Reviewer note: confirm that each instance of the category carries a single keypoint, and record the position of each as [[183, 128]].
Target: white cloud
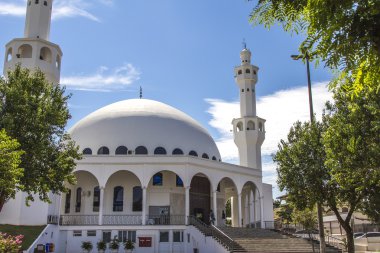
[[280, 109], [61, 9], [104, 79]]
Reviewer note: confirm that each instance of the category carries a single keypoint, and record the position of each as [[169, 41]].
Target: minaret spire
[[141, 93], [35, 50], [249, 131]]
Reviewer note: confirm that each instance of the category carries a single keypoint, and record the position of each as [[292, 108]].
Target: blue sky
[[182, 53]]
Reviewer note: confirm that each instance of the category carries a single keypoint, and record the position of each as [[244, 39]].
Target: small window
[[261, 127], [158, 179], [77, 233], [177, 151], [250, 125], [178, 181], [193, 153], [87, 151], [205, 156], [242, 90], [247, 89], [248, 71], [177, 236], [214, 158], [29, 3], [118, 199], [124, 235], [78, 201], [96, 200], [106, 236], [164, 236], [344, 210], [137, 199], [141, 150], [121, 150], [160, 151], [67, 202], [240, 72], [254, 72], [45, 3], [103, 151], [239, 126], [36, 1], [91, 232]]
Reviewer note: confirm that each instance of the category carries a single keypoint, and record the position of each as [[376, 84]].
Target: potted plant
[[102, 246], [129, 246], [114, 245], [87, 246]]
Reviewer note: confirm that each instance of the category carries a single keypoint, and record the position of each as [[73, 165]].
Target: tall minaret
[[249, 130], [35, 50]]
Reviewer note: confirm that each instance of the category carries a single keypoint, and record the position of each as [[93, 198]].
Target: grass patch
[[30, 233]]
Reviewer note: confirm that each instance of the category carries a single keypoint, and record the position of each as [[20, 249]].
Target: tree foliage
[[35, 113], [345, 34], [11, 173]]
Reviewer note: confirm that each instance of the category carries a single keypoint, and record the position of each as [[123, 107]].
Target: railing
[[52, 219], [122, 220], [200, 225], [76, 220], [329, 240], [165, 220], [256, 224]]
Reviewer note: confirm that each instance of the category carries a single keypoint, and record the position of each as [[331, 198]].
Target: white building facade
[[147, 168]]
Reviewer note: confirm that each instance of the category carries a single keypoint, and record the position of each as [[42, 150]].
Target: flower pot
[[114, 250], [101, 251], [128, 251]]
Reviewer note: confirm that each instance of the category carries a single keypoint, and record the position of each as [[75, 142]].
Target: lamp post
[[319, 205]]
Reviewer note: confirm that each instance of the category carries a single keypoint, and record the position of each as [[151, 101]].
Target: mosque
[[147, 167]]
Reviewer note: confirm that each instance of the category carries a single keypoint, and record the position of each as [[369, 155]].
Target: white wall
[[268, 202], [202, 243]]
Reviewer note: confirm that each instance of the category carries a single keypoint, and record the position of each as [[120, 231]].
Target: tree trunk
[[322, 243], [2, 202], [312, 241], [349, 236]]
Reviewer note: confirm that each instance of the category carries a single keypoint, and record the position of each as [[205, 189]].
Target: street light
[[306, 56]]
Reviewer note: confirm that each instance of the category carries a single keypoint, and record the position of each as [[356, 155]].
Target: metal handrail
[[120, 219], [69, 220]]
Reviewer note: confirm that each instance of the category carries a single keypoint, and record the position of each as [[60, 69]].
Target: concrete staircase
[[262, 240]]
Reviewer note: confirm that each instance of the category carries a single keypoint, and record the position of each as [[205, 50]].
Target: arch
[[141, 150], [67, 201], [205, 156], [177, 151], [251, 125], [240, 72], [239, 126], [45, 54], [58, 62], [200, 197], [158, 179], [87, 151], [8, 57], [118, 199], [103, 151], [214, 158], [193, 153], [248, 71], [78, 199], [119, 174], [121, 150], [25, 51], [178, 181], [96, 199], [137, 199], [261, 127], [160, 151]]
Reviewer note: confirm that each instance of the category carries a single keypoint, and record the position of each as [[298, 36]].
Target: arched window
[[24, 51], [137, 199], [67, 202], [177, 151], [58, 62], [214, 158], [87, 151], [45, 54], [240, 72], [96, 200], [118, 198], [251, 125], [9, 55], [239, 126], [141, 150], [45, 3], [261, 127], [121, 150], [78, 201], [103, 151], [248, 71], [158, 179], [178, 181], [160, 151], [193, 153], [205, 156]]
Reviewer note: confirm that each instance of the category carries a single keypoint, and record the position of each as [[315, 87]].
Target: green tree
[[35, 113], [352, 143], [308, 219], [345, 34], [10, 172]]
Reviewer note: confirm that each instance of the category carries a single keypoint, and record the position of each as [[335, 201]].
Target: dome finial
[[244, 44], [141, 94]]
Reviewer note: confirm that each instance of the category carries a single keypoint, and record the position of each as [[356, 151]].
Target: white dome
[[143, 122]]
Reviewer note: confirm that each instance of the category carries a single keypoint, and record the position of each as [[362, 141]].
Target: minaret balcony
[[248, 124]]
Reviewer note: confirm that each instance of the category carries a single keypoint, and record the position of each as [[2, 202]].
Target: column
[[101, 200], [143, 218], [215, 208], [187, 204], [262, 211], [239, 210]]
